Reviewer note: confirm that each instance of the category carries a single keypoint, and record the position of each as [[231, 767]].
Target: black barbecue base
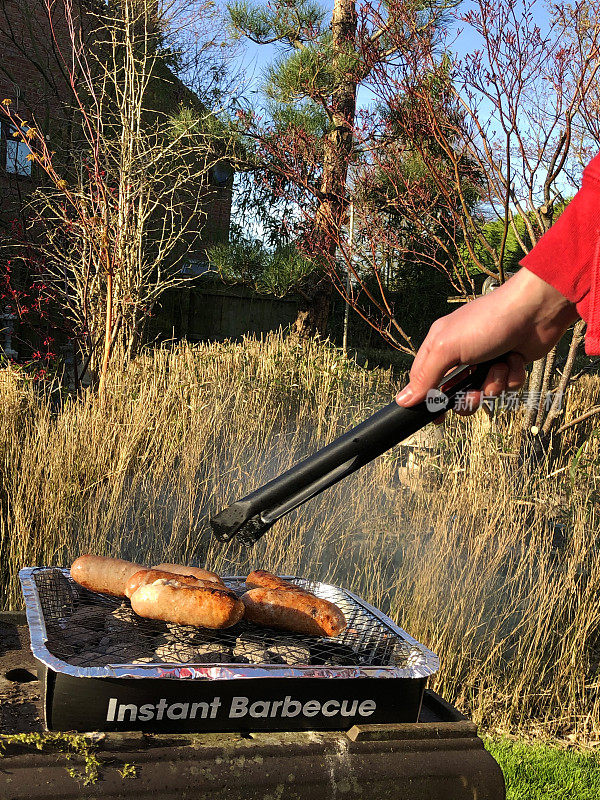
[[155, 705], [440, 757]]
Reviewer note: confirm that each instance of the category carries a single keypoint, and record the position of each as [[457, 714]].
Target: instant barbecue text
[[238, 708]]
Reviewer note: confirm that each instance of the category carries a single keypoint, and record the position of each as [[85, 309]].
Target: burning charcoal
[[212, 654], [288, 654], [332, 654], [88, 617], [174, 652], [185, 653], [189, 634], [376, 649], [120, 619], [80, 637], [250, 649]]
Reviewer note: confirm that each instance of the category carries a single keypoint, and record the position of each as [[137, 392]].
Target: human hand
[[523, 318]]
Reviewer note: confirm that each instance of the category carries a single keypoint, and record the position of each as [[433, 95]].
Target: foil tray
[[372, 645]]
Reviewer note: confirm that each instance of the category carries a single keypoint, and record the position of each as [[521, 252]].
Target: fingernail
[[405, 395]]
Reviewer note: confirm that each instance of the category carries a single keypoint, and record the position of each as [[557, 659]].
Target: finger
[[434, 359], [516, 371], [469, 403], [496, 380]]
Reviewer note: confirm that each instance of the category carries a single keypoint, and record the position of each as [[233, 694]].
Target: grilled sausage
[[260, 578], [171, 601], [196, 572], [290, 610], [104, 575], [145, 576]]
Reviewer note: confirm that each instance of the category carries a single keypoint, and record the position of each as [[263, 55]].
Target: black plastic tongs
[[253, 515]]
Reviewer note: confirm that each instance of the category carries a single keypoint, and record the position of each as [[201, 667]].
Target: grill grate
[[89, 630]]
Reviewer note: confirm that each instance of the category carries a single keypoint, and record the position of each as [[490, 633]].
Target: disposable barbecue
[[103, 667]]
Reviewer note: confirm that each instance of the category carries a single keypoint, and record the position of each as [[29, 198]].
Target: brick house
[[33, 77]]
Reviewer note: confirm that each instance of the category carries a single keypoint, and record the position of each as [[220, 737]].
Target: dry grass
[[496, 568]]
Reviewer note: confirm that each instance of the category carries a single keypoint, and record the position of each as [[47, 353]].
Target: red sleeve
[[568, 255]]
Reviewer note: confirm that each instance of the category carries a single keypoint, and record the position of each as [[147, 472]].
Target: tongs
[[251, 517]]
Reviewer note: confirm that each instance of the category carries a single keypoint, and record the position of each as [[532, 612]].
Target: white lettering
[[367, 707], [161, 708], [146, 712], [132, 712], [195, 707], [312, 708], [260, 709], [214, 707], [334, 705], [345, 712], [178, 711], [112, 707], [287, 710], [239, 707], [275, 707]]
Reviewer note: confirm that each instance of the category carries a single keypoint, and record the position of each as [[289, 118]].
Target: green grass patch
[[543, 772]]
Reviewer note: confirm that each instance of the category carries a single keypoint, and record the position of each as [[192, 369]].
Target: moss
[[128, 771], [71, 744]]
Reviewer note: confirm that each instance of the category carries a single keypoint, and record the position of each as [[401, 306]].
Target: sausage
[[146, 576], [299, 611], [260, 578], [197, 572], [170, 601], [104, 575]]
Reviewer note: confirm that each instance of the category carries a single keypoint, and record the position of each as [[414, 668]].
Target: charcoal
[[186, 653], [376, 649], [121, 647], [189, 633], [332, 654], [80, 637], [119, 620], [89, 617], [288, 654], [250, 649]]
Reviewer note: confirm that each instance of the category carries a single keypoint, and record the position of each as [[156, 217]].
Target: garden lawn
[[542, 772]]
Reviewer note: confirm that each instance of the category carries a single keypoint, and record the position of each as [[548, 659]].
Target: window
[[15, 154]]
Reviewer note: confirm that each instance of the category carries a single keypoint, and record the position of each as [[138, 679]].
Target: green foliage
[[288, 22], [493, 233], [303, 116], [268, 272], [128, 771], [69, 744], [543, 772], [518, 243], [306, 72]]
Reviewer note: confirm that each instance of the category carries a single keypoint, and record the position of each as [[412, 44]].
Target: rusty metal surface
[[439, 759]]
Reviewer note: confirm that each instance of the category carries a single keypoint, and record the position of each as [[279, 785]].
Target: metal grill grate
[[89, 630]]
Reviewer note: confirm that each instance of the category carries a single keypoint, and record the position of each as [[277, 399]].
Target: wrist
[[543, 301]]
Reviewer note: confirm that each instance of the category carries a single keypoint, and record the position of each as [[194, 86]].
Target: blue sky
[[256, 58]]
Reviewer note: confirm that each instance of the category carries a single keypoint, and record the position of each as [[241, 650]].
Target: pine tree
[[324, 63]]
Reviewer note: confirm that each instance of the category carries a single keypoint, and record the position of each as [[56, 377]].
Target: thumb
[[429, 367]]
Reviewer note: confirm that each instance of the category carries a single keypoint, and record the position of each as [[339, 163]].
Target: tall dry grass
[[495, 567]]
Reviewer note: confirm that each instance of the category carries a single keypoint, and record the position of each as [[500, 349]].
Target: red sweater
[[568, 255]]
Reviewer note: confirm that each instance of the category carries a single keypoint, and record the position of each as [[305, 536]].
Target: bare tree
[[115, 223], [475, 154]]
